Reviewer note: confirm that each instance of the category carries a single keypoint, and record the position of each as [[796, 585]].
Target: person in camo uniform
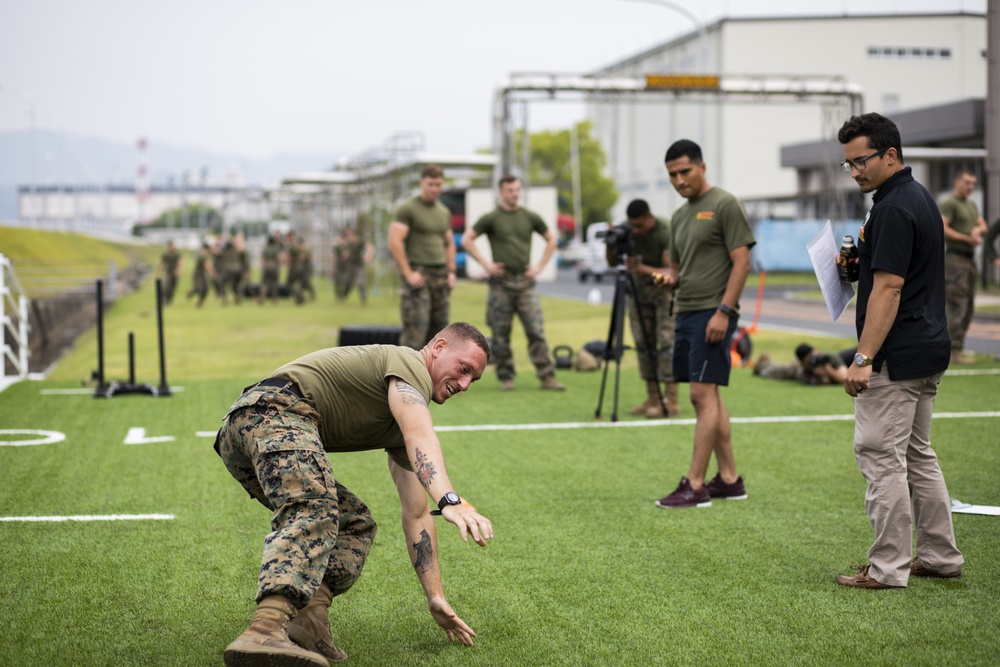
[[964, 229], [270, 259], [273, 441], [170, 269], [423, 248], [509, 228], [651, 309]]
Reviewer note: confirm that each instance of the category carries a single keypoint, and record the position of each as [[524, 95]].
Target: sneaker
[[918, 569], [551, 384], [860, 580], [685, 496], [719, 489], [506, 385]]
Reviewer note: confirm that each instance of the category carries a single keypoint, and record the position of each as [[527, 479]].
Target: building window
[[917, 52]]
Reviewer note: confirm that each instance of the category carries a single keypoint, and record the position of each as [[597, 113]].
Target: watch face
[[859, 359], [452, 498]]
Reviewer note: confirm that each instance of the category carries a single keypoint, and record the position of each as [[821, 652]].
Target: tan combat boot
[[311, 627], [652, 399], [669, 400], [265, 642]]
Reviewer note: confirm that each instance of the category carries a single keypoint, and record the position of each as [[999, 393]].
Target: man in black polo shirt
[[903, 350]]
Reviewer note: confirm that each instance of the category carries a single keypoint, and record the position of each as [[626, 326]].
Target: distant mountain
[[75, 159]]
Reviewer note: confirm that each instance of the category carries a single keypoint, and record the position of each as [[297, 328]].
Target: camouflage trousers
[[169, 287], [269, 280], [766, 368], [320, 531], [960, 292], [649, 311], [508, 296], [424, 311]]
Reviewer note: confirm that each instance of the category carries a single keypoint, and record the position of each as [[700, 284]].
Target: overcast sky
[[257, 78]]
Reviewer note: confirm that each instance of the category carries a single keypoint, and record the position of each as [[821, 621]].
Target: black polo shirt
[[903, 234]]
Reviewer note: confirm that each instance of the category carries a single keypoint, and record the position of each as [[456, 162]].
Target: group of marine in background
[[223, 266]]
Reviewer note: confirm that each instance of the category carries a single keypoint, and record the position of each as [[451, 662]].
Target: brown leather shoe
[[861, 579], [917, 569]]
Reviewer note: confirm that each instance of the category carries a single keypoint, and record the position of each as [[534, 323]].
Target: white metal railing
[[14, 326]]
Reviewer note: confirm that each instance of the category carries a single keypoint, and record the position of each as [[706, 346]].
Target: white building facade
[[901, 62]]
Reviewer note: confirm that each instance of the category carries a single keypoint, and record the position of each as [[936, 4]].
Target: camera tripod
[[615, 345]]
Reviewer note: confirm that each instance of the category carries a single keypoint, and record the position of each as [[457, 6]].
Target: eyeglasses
[[859, 164]]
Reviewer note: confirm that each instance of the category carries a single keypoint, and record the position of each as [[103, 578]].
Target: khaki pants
[[906, 490]]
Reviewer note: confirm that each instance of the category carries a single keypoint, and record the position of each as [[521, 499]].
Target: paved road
[[780, 310]]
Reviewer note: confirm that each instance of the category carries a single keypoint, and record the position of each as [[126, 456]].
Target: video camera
[[619, 239], [817, 360]]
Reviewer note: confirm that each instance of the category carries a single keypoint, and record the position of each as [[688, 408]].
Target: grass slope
[[584, 569]]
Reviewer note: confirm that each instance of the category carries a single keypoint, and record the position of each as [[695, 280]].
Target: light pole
[[31, 147]]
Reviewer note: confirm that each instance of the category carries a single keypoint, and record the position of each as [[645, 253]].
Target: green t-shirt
[[428, 224], [703, 233], [509, 233], [962, 216], [350, 388], [269, 256], [171, 259], [651, 245]]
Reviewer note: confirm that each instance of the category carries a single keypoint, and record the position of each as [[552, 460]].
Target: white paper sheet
[[965, 508], [823, 251]]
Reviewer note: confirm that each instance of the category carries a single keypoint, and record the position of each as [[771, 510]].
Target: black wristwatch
[[727, 310], [450, 498]]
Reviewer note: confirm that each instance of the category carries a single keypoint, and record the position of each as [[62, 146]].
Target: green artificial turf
[[584, 569]]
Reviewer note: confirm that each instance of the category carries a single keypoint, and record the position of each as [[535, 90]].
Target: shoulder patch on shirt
[[705, 215]]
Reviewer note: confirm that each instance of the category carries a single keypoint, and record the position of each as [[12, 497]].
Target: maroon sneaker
[[685, 496], [719, 489]]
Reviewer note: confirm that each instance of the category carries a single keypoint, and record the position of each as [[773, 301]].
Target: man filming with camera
[[643, 243]]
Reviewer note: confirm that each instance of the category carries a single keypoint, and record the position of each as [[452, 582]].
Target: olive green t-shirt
[[350, 388], [171, 259], [651, 245], [428, 224], [962, 216], [509, 233], [703, 233]]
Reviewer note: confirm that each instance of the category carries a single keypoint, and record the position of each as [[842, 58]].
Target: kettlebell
[[563, 356]]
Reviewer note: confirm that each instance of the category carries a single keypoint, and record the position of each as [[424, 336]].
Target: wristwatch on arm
[[450, 498], [728, 310], [862, 360]]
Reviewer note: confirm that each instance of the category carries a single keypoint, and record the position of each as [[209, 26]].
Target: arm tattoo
[[424, 552], [409, 393], [425, 470]]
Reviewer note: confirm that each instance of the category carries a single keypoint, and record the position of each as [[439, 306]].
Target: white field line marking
[[137, 436], [973, 371], [88, 392], [688, 422], [91, 517], [205, 434], [50, 437]]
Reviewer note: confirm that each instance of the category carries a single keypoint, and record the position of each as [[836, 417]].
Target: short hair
[[507, 178], [681, 148], [637, 208], [431, 171], [965, 171], [802, 351], [462, 332], [881, 132]]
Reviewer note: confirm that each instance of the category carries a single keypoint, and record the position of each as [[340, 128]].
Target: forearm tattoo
[[424, 552], [425, 470], [409, 393]]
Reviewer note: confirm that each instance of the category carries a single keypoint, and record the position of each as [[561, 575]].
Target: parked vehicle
[[593, 262]]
